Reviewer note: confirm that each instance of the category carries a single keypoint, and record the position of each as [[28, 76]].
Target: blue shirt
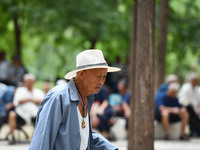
[[165, 100], [161, 92], [126, 98], [57, 126], [6, 97], [101, 95]]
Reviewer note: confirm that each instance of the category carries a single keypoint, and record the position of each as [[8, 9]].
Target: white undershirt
[[84, 133]]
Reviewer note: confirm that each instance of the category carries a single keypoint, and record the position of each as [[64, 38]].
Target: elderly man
[[163, 87], [189, 96], [63, 121], [26, 101], [168, 110]]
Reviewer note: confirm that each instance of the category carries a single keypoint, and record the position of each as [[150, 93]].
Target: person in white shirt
[[189, 96], [26, 101]]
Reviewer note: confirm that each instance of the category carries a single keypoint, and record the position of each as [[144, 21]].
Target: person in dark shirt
[[102, 112], [6, 104], [125, 94], [168, 110], [163, 87]]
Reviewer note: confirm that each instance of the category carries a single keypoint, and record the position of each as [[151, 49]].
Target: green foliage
[[53, 32]]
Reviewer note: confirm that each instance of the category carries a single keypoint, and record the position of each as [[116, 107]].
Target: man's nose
[[102, 81]]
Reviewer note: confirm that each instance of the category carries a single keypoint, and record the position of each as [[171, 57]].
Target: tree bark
[[162, 43], [93, 43], [17, 31], [141, 129]]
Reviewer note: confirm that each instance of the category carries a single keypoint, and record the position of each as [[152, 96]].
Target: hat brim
[[72, 74]]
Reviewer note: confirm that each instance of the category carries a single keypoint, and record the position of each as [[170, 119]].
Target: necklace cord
[[84, 106]]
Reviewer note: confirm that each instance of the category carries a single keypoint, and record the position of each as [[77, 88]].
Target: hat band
[[92, 65]]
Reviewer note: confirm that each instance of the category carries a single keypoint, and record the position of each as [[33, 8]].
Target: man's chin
[[96, 91]]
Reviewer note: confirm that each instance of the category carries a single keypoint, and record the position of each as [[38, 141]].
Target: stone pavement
[[193, 144]]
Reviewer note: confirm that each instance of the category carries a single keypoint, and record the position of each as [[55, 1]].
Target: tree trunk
[[17, 31], [141, 129], [162, 43], [93, 43]]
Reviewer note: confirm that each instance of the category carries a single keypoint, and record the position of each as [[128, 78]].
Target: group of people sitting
[[19, 105], [110, 104], [174, 104]]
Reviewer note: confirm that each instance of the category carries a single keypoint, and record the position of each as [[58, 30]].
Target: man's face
[[121, 87], [195, 82], [93, 79], [172, 93], [29, 83]]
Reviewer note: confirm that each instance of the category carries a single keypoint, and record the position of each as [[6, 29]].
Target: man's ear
[[80, 74]]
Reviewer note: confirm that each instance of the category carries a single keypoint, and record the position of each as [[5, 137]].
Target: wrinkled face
[[29, 83], [195, 82], [93, 79], [172, 93]]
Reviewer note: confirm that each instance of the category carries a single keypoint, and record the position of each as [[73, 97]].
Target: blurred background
[[48, 34], [44, 37]]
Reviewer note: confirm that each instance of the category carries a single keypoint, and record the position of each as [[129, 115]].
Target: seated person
[[6, 103], [168, 110], [123, 109], [101, 112], [163, 87], [46, 86], [26, 101], [189, 96], [16, 72]]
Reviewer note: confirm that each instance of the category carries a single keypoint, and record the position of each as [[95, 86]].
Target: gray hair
[[193, 76], [171, 78], [173, 86], [29, 76]]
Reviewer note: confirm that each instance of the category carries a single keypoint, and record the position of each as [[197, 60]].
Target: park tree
[[60, 28], [11, 13], [183, 46], [63, 27], [141, 129], [161, 42]]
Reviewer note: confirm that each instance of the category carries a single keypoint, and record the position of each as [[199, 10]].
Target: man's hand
[[36, 101], [23, 101], [101, 111], [127, 110], [8, 106], [175, 110]]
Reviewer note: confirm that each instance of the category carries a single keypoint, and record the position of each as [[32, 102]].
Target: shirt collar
[[74, 94], [73, 91]]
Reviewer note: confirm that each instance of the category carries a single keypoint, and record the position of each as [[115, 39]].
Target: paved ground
[[193, 144]]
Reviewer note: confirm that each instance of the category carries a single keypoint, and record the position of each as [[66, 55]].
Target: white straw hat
[[90, 59]]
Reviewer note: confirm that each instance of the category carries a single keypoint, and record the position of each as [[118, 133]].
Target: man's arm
[[173, 110], [100, 143], [36, 101], [198, 110], [103, 106], [184, 96], [47, 124], [126, 109], [23, 101]]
